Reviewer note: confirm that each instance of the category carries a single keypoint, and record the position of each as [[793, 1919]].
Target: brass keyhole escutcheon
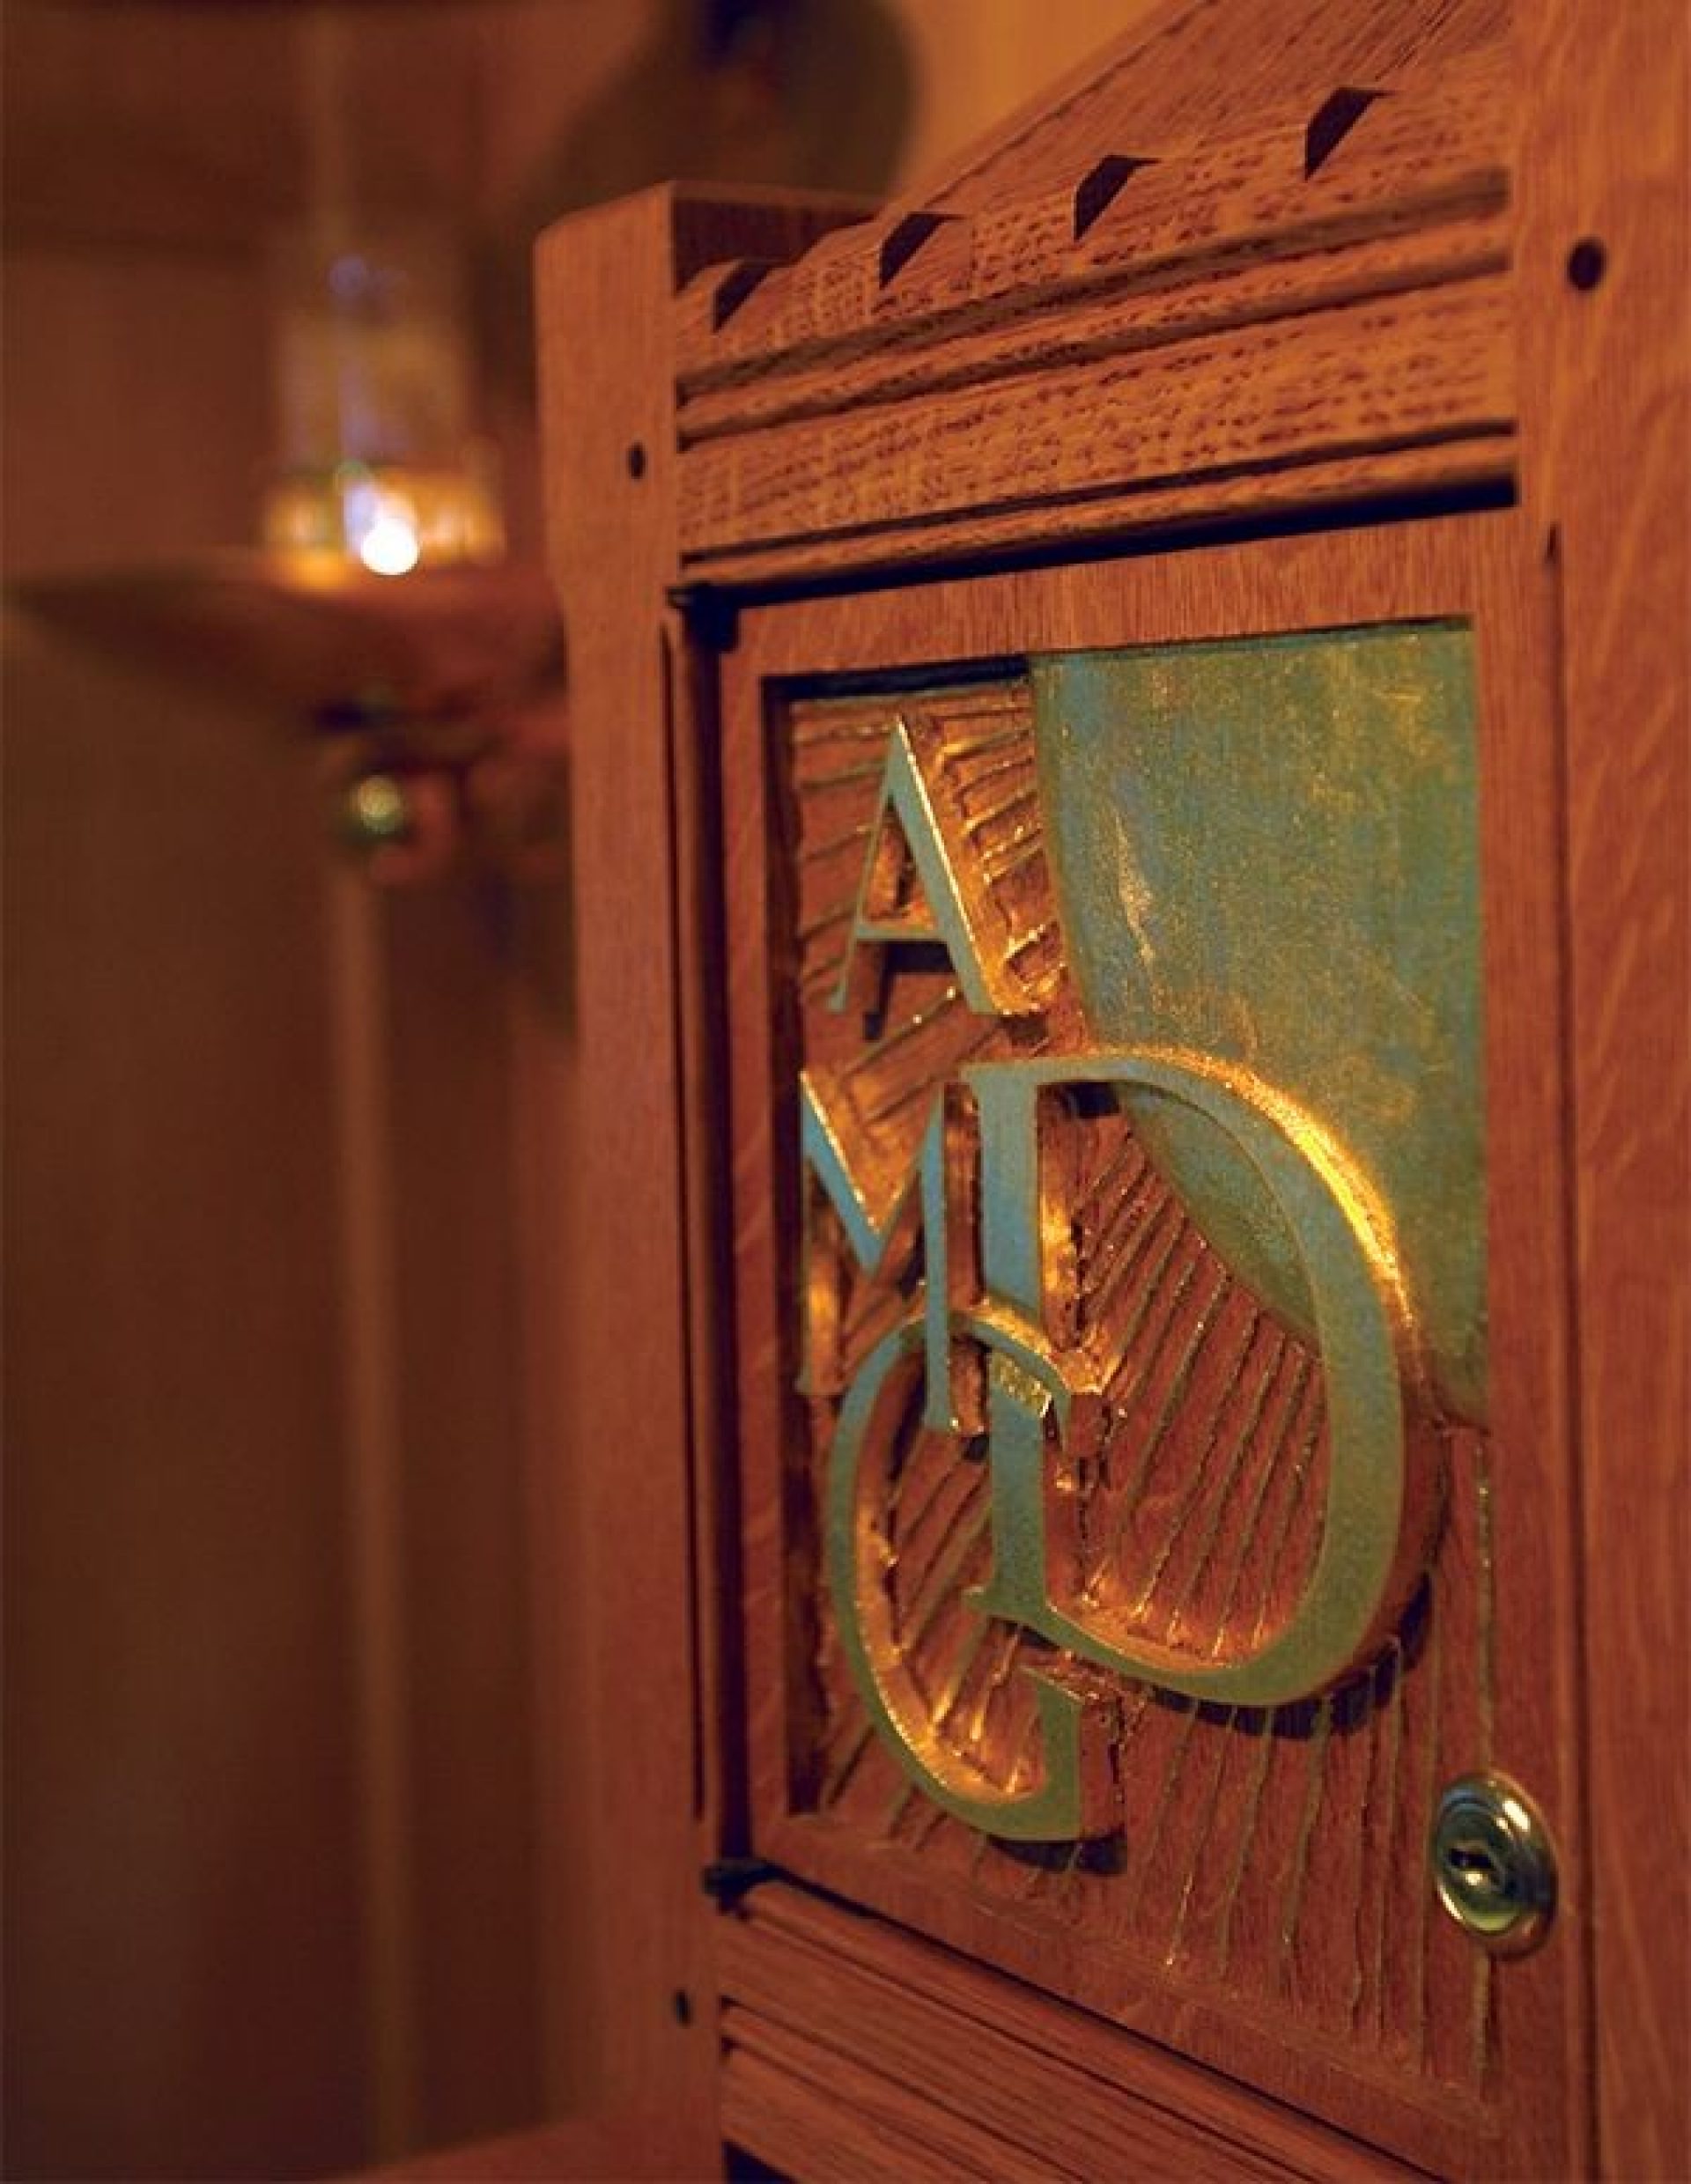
[[1493, 1865]]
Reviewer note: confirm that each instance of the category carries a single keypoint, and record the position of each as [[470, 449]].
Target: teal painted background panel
[[1267, 850]]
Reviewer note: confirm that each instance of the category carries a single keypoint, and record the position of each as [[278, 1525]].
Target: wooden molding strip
[[1158, 310], [1478, 465], [1412, 157], [1389, 374], [846, 2036], [823, 2120]]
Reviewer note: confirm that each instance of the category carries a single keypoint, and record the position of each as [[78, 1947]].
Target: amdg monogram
[[981, 1339]]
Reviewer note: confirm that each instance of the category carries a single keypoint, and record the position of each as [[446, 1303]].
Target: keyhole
[[1492, 1864], [1478, 1868]]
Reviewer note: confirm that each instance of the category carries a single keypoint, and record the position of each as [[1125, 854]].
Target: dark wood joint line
[[710, 614], [727, 1881]]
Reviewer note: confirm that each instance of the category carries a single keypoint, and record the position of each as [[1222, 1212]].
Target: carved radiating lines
[[1127, 1165], [938, 1478], [1032, 938], [898, 1097], [940, 1584], [994, 739], [1016, 859], [1263, 1852], [932, 1532], [1244, 1838], [836, 914], [820, 979], [892, 1041], [1142, 1264], [1315, 1782], [841, 776], [1019, 763], [1300, 1384], [996, 1645], [1147, 1863], [1207, 1804], [1263, 1381], [1147, 1440], [1295, 1500], [854, 838], [1373, 1984], [1024, 797], [834, 726], [873, 1309]]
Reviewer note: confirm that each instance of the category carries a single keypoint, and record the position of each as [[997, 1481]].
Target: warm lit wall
[[976, 61], [269, 1900], [278, 1897], [181, 1984]]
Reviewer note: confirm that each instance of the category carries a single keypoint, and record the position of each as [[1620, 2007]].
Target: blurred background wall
[[286, 1665]]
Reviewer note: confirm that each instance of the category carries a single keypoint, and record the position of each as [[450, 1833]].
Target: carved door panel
[[1152, 1459]]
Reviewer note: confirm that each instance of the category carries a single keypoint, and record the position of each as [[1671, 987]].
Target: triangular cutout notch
[[1332, 122], [738, 282], [1101, 185], [901, 243]]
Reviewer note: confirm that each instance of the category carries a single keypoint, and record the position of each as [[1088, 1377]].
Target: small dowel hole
[[1587, 262]]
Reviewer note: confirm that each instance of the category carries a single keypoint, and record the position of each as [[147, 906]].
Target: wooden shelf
[[318, 639]]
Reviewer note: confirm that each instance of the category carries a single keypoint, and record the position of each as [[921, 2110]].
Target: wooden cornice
[[1334, 280]]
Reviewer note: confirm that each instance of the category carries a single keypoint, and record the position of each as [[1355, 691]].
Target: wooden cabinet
[[1126, 783], [1202, 840]]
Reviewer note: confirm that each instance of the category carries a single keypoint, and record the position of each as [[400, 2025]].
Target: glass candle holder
[[372, 368]]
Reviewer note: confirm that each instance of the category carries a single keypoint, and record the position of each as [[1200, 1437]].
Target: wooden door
[[1292, 737]]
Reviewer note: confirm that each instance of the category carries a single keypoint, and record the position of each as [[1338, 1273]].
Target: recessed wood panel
[[1256, 1892]]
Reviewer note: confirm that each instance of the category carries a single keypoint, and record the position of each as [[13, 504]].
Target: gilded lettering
[[914, 889]]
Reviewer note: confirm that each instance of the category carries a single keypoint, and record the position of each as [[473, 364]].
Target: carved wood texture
[[1363, 2006], [1173, 318], [1271, 1857], [1005, 363]]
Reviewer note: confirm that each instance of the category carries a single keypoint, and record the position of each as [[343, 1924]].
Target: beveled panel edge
[[860, 2018]]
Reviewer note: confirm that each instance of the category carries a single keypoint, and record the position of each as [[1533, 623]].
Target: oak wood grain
[[1605, 451], [1418, 157], [626, 1542], [1341, 487], [807, 1982], [828, 2120], [1189, 285], [623, 1536], [1158, 308], [1137, 323], [1416, 369], [1030, 1921]]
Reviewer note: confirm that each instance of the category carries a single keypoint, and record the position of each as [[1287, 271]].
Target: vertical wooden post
[[1601, 298], [617, 1412], [623, 1796]]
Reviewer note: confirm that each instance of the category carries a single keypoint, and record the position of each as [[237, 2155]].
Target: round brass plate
[[1493, 1865]]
